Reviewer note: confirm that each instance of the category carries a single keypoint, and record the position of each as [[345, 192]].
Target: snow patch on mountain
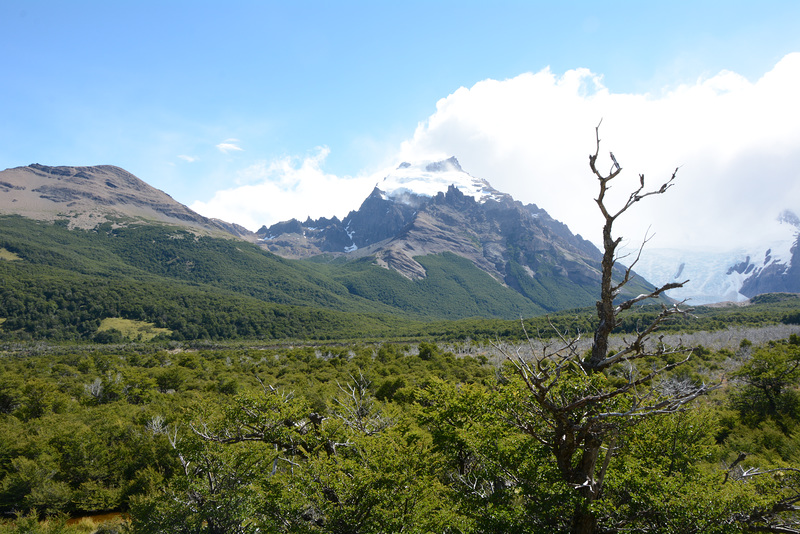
[[719, 276], [707, 273], [428, 178], [350, 233]]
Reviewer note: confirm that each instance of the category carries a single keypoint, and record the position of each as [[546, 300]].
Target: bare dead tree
[[782, 515], [572, 407], [357, 409], [607, 311]]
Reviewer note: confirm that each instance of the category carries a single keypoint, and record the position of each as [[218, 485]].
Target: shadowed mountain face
[[520, 246], [88, 196], [779, 270], [773, 275]]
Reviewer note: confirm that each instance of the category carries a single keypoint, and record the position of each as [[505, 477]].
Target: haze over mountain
[[734, 275]]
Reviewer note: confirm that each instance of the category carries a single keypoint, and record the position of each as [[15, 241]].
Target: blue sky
[[259, 111]]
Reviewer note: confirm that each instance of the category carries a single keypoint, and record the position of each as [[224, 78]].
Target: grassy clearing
[[8, 255], [111, 522], [134, 330]]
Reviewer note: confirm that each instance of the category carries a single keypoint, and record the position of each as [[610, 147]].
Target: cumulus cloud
[[734, 140], [284, 189], [228, 146]]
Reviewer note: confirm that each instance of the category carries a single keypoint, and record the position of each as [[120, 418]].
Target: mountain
[[435, 208], [79, 245], [731, 276], [88, 196], [778, 269]]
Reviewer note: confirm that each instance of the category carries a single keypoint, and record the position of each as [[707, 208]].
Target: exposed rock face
[[519, 245], [777, 270], [772, 276], [378, 219], [493, 235], [88, 196], [733, 275]]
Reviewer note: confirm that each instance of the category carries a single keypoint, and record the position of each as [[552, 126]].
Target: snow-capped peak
[[428, 178]]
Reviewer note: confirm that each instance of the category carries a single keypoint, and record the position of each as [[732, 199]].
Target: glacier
[[716, 276]]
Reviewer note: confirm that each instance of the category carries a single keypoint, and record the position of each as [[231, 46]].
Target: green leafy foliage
[[76, 438], [453, 288], [67, 282], [360, 438], [769, 376]]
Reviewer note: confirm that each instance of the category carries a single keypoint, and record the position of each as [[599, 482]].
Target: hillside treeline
[[58, 284]]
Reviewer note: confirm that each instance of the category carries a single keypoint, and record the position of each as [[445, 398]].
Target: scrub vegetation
[[375, 438]]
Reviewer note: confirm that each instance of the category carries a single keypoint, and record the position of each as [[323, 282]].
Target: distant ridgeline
[[81, 245]]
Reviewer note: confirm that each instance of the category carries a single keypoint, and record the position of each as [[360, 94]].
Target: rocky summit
[[436, 207]]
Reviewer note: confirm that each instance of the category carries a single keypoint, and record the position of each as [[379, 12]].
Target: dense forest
[[59, 283], [371, 438]]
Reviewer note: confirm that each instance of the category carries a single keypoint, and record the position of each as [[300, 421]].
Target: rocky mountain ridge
[[403, 253], [88, 196], [519, 245], [418, 210]]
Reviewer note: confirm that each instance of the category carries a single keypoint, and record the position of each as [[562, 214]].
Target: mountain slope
[[120, 226], [60, 284], [453, 289], [779, 270], [88, 196], [156, 252], [79, 244], [435, 208]]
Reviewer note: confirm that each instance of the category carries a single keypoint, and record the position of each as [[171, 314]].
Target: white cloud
[[735, 141], [229, 145], [189, 159], [287, 188]]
